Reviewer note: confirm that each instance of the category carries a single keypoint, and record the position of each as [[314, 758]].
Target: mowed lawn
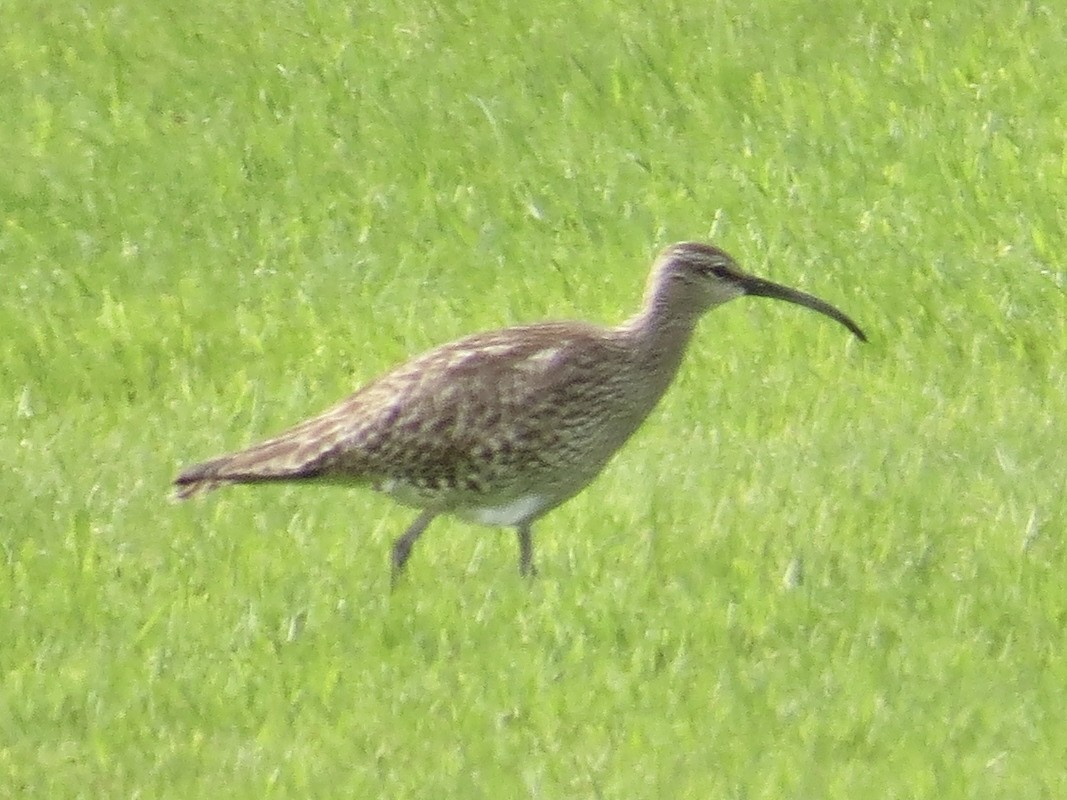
[[823, 569]]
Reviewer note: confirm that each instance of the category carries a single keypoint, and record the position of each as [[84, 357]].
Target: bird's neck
[[658, 337]]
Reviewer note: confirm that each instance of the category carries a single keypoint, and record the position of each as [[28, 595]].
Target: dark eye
[[716, 268]]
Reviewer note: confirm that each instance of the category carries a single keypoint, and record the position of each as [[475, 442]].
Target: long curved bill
[[758, 287]]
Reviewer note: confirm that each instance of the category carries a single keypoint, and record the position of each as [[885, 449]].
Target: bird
[[501, 427]]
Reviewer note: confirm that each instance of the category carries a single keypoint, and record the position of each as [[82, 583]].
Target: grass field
[[821, 570]]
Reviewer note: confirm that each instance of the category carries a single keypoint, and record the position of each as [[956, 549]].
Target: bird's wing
[[432, 420], [495, 395]]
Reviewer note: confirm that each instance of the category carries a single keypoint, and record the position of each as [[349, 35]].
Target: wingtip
[[183, 491], [194, 480]]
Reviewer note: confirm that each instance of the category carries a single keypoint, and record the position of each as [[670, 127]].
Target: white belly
[[508, 514]]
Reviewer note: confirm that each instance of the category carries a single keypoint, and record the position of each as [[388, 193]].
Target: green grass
[[218, 219]]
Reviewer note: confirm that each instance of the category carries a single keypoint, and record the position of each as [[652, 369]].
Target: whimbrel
[[499, 428]]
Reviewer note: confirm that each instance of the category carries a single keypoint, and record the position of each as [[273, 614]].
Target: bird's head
[[690, 278]]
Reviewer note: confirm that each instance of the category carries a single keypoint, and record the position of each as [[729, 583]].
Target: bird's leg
[[402, 546], [526, 565]]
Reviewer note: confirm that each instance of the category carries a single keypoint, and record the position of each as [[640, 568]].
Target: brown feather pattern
[[521, 418]]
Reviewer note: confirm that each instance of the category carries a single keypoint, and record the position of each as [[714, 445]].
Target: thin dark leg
[[526, 565], [402, 546]]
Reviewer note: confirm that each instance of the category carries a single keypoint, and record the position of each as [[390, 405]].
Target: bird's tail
[[285, 458], [319, 447]]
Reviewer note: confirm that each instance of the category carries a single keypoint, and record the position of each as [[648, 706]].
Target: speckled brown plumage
[[502, 427]]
